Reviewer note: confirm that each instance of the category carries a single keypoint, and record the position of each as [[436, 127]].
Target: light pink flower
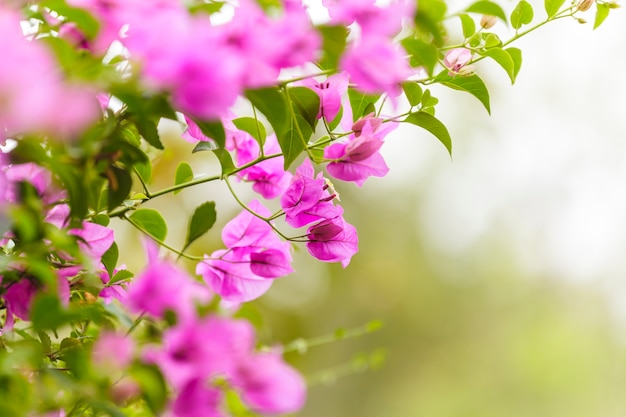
[[330, 92], [456, 59]]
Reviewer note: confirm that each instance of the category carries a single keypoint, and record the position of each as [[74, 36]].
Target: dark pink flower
[[333, 240], [255, 256], [198, 399], [371, 18], [330, 92]]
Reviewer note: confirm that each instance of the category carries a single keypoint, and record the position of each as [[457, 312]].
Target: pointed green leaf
[[516, 56], [110, 257], [144, 170], [151, 222], [293, 141], [361, 103], [253, 127], [226, 161], [121, 276], [522, 14], [147, 128], [271, 102], [212, 129], [471, 84], [120, 184], [413, 92], [602, 12], [306, 103], [503, 58], [487, 7], [433, 125], [204, 146], [468, 25], [552, 6], [202, 220], [184, 173]]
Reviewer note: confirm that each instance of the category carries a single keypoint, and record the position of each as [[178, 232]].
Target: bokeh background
[[499, 274]]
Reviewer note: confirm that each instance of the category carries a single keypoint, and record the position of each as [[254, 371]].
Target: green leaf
[[552, 6], [487, 7], [468, 25], [516, 56], [110, 257], [184, 173], [202, 220], [152, 383], [421, 53], [212, 129], [151, 222], [144, 170], [602, 12], [120, 184], [226, 161], [503, 58], [147, 128], [471, 84], [121, 276], [333, 44], [413, 92], [101, 219], [292, 142], [208, 8], [253, 127], [433, 125], [429, 20], [306, 103], [361, 103], [491, 40], [204, 146], [522, 14], [85, 21], [271, 102], [46, 312]]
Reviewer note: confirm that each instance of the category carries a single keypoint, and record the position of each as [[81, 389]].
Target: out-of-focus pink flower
[[162, 287], [333, 240], [376, 65], [39, 177], [270, 386], [198, 399], [255, 256], [330, 92], [113, 351], [371, 18], [35, 98], [456, 59]]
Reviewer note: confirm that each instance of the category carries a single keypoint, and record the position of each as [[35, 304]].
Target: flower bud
[[581, 21], [487, 21], [613, 5], [585, 5]]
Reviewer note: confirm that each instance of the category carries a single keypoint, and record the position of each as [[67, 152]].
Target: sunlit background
[[499, 274]]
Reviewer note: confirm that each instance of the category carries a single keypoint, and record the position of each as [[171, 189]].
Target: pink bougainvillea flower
[[269, 386], [376, 65], [373, 19], [39, 177], [113, 351], [358, 158], [456, 59], [116, 291], [307, 199], [198, 399], [162, 287], [255, 256], [35, 97], [330, 93], [333, 240]]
